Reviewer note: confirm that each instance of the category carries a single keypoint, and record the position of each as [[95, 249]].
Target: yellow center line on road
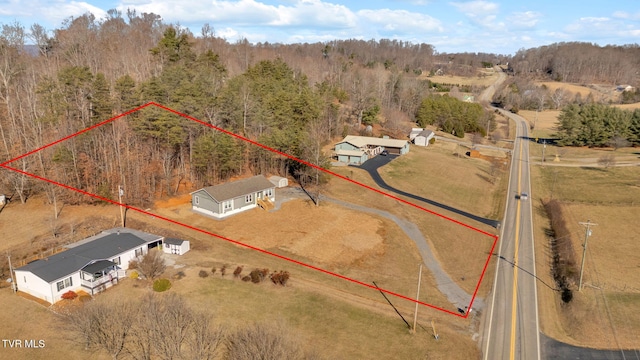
[[515, 263]]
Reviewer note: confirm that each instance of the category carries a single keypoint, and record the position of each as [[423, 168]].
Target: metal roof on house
[[234, 189], [102, 246], [363, 141]]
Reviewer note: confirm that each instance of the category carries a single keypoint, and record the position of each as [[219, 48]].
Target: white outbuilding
[[176, 246], [423, 138]]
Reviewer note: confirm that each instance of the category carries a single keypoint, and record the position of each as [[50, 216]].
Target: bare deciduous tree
[[262, 341], [151, 265]]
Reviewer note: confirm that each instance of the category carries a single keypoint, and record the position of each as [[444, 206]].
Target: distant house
[[231, 198], [625, 88], [175, 246], [92, 265], [358, 149], [423, 138]]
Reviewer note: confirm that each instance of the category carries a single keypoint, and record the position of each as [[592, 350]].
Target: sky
[[499, 26]]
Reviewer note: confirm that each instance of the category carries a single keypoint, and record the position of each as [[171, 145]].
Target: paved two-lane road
[[511, 329]]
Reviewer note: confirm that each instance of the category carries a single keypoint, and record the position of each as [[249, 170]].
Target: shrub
[[280, 278], [179, 275], [223, 270], [257, 275], [134, 275], [237, 271], [564, 266], [246, 278], [161, 285], [203, 273], [69, 295], [213, 270]]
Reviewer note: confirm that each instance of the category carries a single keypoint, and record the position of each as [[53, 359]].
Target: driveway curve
[[371, 166], [458, 297]]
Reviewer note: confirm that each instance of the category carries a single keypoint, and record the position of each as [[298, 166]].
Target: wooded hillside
[[295, 98]]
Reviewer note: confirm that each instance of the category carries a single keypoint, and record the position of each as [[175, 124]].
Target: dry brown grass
[[487, 78], [606, 313], [575, 89], [461, 251]]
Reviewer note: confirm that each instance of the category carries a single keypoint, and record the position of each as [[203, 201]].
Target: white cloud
[[481, 13], [250, 12], [626, 15], [52, 11], [524, 20], [400, 21]]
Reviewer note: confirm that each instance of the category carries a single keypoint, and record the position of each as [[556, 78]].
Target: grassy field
[[487, 78], [461, 251], [606, 313], [344, 318]]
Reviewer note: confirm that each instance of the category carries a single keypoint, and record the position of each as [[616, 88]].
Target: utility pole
[[415, 314], [544, 146], [14, 286], [120, 194], [584, 250]]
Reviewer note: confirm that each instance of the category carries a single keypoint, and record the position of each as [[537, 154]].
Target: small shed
[[415, 132], [423, 138], [279, 181], [175, 246]]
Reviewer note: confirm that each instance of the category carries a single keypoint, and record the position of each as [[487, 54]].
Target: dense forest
[[296, 98]]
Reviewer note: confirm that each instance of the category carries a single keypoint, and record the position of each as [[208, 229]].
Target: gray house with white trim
[[234, 197], [92, 265]]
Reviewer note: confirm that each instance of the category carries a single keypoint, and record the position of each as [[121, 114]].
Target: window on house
[[227, 205], [196, 200], [116, 260], [139, 252], [270, 192], [248, 198], [64, 283]]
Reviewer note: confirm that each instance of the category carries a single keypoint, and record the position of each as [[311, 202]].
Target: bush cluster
[[69, 295], [563, 265]]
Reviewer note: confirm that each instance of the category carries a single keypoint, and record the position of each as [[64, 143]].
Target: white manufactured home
[[92, 265]]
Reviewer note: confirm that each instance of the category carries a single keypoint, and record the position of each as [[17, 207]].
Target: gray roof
[[98, 266], [234, 189], [102, 246], [172, 241], [425, 133]]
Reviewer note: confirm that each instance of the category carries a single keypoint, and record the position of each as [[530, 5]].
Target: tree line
[[454, 116], [165, 327], [294, 98], [598, 125]]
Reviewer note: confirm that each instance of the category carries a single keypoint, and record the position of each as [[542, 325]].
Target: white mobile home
[[92, 265]]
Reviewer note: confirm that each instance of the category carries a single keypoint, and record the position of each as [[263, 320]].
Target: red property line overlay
[[466, 314]]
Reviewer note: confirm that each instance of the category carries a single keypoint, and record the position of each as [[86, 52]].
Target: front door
[[259, 195]]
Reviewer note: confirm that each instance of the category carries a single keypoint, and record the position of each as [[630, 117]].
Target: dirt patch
[[327, 234]]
